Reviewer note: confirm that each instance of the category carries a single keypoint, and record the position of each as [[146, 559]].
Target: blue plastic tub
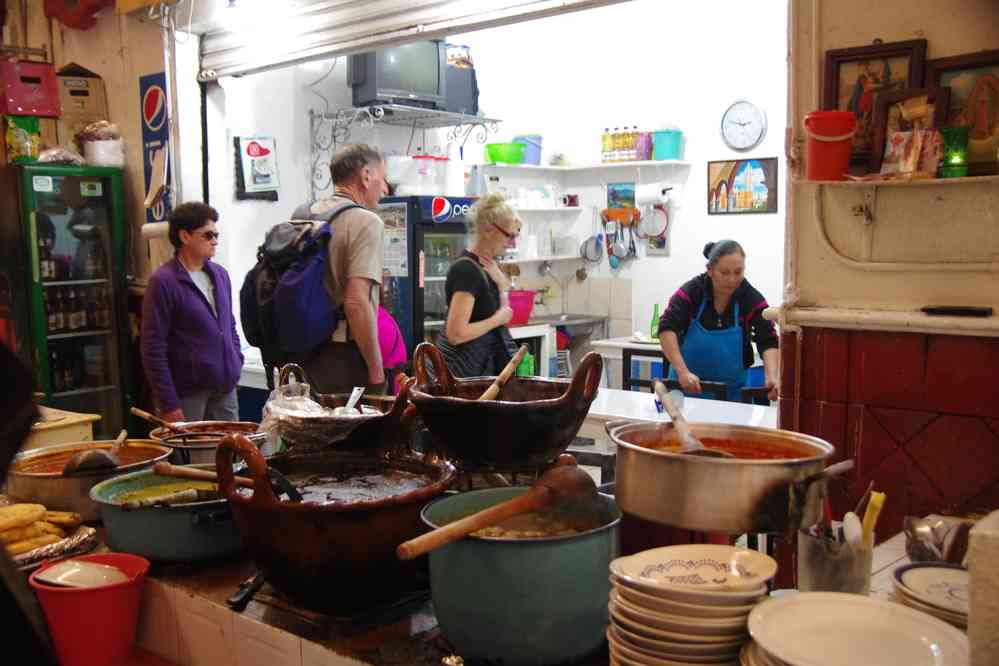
[[532, 147], [667, 145]]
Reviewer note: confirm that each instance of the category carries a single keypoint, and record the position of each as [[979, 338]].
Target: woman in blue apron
[[708, 327]]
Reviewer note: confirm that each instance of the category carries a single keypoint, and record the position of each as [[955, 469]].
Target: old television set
[[413, 74]]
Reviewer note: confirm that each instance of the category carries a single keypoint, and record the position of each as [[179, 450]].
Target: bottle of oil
[[654, 326], [606, 145]]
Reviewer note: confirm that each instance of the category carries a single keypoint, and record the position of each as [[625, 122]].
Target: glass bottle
[[654, 327], [59, 308], [55, 368], [92, 308], [50, 313]]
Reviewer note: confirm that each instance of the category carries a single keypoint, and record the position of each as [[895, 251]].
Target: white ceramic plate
[[635, 642], [691, 596], [81, 573], [665, 605], [944, 586], [697, 644], [957, 619], [631, 657], [754, 655], [699, 567], [680, 624], [833, 629]]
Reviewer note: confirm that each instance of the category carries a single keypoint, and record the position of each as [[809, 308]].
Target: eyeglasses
[[209, 235], [509, 235]]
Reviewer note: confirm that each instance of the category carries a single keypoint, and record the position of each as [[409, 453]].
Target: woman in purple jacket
[[190, 348]]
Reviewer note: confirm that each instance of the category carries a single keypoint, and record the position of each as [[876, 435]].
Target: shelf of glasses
[[85, 390]]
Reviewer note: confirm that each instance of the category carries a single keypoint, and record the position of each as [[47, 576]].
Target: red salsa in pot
[[749, 450]]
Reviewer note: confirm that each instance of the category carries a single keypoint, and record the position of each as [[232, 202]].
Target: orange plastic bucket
[[94, 626], [830, 141]]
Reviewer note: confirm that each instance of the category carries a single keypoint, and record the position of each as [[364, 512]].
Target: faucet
[[545, 269]]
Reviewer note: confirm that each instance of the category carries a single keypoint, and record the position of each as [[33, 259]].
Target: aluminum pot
[[72, 493], [729, 495], [179, 533], [521, 601], [200, 450]]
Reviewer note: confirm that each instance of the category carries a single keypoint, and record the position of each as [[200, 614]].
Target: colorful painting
[[742, 186], [855, 76], [973, 80], [621, 195]]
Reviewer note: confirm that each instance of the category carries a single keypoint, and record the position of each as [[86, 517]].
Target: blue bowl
[[521, 601]]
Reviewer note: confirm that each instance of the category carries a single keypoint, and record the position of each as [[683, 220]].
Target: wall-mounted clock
[[743, 125]]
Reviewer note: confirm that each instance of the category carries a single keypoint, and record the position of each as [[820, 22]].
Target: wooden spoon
[[691, 445], [166, 469], [90, 460], [561, 484], [152, 418], [502, 378]]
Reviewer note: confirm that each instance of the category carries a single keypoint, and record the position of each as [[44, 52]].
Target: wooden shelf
[[924, 182]]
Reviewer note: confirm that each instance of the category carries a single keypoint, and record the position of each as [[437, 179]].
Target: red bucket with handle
[[522, 304], [830, 142]]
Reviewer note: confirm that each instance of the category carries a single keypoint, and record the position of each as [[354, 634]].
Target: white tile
[[578, 300], [620, 299], [600, 296], [620, 328], [157, 630], [258, 644], [314, 654], [204, 631]]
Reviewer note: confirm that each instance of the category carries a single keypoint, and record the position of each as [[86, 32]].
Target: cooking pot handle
[[586, 381], [614, 425], [440, 369], [289, 368], [256, 466]]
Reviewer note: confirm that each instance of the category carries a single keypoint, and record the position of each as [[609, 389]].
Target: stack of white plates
[[836, 629], [937, 588], [684, 604]]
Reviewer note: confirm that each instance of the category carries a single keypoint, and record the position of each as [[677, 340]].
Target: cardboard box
[[83, 100]]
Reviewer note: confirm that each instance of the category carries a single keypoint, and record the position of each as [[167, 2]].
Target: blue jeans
[[209, 406]]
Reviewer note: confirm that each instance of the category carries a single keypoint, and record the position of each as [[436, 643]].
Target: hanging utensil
[[691, 445]]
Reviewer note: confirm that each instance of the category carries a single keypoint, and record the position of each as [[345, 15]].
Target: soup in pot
[[750, 450], [53, 463]]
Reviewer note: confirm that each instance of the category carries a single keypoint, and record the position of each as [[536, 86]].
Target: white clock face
[[743, 126]]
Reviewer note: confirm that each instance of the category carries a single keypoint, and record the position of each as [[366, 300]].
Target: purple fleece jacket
[[185, 347]]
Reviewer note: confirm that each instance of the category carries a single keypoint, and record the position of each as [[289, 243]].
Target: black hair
[[189, 217], [716, 250], [349, 161]]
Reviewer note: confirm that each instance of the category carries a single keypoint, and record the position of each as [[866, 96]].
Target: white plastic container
[[441, 166], [426, 174], [105, 153]]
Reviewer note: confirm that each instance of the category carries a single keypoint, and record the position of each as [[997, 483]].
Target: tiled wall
[[918, 413]]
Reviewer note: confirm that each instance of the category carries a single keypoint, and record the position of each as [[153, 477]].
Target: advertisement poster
[[155, 144], [396, 250], [258, 157]]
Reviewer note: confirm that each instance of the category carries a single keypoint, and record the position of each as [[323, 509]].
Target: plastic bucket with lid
[[667, 144], [532, 147], [522, 303], [830, 142], [94, 626]]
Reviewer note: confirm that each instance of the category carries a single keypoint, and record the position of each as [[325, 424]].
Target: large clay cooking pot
[[334, 558], [529, 424]]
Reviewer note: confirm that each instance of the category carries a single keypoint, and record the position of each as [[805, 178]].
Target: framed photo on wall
[[854, 76], [740, 187], [973, 80], [904, 111]]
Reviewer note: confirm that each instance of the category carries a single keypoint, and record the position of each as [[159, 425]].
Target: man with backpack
[[351, 356]]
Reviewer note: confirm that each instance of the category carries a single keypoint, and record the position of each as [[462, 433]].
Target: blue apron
[[714, 356]]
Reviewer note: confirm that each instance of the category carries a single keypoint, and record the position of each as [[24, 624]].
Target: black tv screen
[[412, 74]]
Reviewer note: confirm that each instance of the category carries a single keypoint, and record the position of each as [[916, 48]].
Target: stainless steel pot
[[71, 493], [200, 450], [729, 495]]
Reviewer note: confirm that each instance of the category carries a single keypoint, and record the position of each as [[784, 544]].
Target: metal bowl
[[200, 450], [731, 495]]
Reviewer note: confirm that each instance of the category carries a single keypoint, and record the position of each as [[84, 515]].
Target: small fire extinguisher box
[[29, 89]]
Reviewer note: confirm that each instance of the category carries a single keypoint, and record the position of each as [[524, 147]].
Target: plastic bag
[[100, 130], [23, 138], [61, 155]]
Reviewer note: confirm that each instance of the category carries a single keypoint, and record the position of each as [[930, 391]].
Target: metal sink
[[575, 323]]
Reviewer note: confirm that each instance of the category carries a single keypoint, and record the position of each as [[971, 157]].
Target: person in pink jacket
[[393, 347]]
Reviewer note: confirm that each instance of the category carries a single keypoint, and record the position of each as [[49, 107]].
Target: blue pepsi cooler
[[532, 147]]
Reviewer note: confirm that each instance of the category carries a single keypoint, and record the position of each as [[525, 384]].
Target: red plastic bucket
[[522, 303], [830, 141], [94, 626]]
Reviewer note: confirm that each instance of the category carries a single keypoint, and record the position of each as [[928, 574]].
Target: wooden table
[[58, 426]]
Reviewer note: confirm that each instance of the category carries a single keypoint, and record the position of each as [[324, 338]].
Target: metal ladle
[[691, 445]]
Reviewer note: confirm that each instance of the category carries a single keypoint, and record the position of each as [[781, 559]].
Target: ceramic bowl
[[80, 573], [630, 655], [699, 567], [680, 652], [957, 619], [936, 584], [735, 626], [719, 644], [695, 597], [665, 605]]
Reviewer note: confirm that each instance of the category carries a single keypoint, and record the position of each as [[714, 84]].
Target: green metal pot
[[521, 601]]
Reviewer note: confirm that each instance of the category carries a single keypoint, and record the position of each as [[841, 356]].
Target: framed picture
[[904, 111], [742, 186], [973, 80], [852, 78], [621, 195]]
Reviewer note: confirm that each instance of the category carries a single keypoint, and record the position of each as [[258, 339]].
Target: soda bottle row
[[626, 144], [88, 264], [77, 308], [73, 367]]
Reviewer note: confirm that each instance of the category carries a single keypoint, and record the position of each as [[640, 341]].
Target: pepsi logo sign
[[154, 108], [254, 149], [442, 210]]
